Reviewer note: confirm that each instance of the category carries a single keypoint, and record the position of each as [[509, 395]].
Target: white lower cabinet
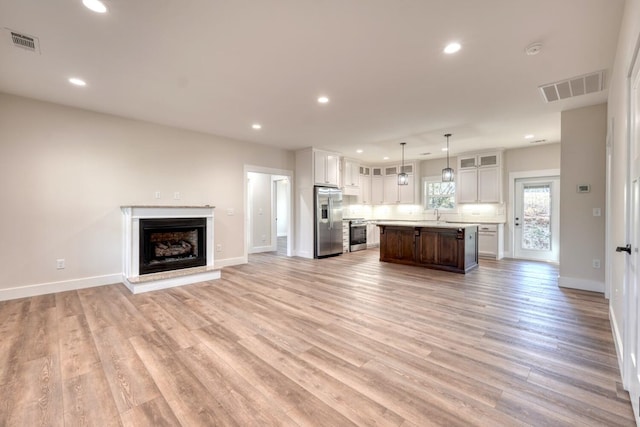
[[373, 235], [490, 241]]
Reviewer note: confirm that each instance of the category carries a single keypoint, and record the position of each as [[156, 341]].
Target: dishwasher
[[488, 240]]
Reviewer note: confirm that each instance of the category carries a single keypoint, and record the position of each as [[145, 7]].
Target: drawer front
[[492, 228]]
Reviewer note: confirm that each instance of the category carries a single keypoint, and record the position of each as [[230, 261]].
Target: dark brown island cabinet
[[449, 247]]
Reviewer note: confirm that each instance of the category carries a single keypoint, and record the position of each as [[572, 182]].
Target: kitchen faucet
[[437, 214]]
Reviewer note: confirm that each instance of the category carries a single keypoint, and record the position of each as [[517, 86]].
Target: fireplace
[[166, 246], [172, 243]]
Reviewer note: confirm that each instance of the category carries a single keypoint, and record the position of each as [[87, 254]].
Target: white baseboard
[[260, 249], [62, 286], [228, 262], [617, 340], [304, 254], [582, 284]]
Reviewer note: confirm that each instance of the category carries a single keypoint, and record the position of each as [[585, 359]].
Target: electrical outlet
[[60, 264], [596, 263], [218, 247], [157, 194], [597, 212], [176, 195], [231, 211]]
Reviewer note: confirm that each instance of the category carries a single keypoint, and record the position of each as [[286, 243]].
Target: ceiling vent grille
[[575, 86], [23, 41]]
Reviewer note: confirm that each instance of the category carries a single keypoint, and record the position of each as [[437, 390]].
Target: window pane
[[440, 195], [536, 221]]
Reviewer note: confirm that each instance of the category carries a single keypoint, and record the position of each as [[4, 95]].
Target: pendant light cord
[[447, 135]]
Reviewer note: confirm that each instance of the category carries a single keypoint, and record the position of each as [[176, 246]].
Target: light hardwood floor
[[334, 342]]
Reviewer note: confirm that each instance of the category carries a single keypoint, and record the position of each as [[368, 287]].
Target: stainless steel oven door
[[357, 237]]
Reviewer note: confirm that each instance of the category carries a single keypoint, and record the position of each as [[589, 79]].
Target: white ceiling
[[218, 66]]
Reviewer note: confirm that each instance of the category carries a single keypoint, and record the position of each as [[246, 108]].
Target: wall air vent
[[23, 41], [575, 86]]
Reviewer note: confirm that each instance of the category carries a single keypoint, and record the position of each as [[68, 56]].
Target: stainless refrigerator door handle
[[330, 213]]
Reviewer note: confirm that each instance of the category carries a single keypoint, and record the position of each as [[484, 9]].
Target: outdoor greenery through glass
[[536, 224], [440, 195]]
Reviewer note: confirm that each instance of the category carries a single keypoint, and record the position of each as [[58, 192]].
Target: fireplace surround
[[166, 246]]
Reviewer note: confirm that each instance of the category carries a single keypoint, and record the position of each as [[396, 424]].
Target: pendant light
[[447, 173], [403, 178]]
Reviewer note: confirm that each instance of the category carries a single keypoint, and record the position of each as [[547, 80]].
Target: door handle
[[626, 249]]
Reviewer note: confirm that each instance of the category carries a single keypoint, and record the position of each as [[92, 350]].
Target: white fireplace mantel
[[131, 251]]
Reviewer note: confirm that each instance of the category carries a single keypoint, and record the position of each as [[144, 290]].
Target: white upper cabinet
[[326, 168], [377, 186], [364, 196], [479, 178], [351, 177], [384, 185], [351, 173]]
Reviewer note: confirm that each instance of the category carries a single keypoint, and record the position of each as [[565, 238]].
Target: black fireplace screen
[[172, 244]]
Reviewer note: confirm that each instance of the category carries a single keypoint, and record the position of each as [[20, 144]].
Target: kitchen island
[[438, 245]]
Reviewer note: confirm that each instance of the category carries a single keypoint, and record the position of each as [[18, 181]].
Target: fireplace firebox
[[172, 244]]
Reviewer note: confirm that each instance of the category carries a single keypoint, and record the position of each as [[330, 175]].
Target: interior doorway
[[268, 211], [536, 221]]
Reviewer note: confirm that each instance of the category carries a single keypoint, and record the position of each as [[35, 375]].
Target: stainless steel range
[[357, 234]]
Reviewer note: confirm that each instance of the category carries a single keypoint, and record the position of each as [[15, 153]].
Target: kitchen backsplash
[[464, 213]]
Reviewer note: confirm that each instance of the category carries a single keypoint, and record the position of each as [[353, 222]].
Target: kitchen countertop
[[481, 222], [436, 224]]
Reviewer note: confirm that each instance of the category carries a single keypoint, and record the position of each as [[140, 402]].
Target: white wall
[[584, 134], [618, 113], [65, 172]]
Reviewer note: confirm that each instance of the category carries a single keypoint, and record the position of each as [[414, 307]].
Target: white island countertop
[[435, 224]]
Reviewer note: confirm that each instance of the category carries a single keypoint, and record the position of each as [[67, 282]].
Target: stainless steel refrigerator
[[328, 222]]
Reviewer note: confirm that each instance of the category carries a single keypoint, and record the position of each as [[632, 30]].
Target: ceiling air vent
[[23, 41], [575, 86]]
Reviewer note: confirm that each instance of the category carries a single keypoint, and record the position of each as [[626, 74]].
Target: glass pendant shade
[[447, 173], [403, 178]]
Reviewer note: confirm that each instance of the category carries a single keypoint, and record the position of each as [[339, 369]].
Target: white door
[[537, 219], [631, 350]]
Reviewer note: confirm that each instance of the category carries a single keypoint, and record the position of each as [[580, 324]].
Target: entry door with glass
[[537, 219]]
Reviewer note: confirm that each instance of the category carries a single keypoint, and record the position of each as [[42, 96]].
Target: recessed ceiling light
[[76, 81], [452, 48], [424, 154], [95, 5], [445, 149], [385, 158], [256, 126], [323, 99], [358, 151], [530, 136]]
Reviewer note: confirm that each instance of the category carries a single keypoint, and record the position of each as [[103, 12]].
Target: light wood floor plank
[[340, 341]]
